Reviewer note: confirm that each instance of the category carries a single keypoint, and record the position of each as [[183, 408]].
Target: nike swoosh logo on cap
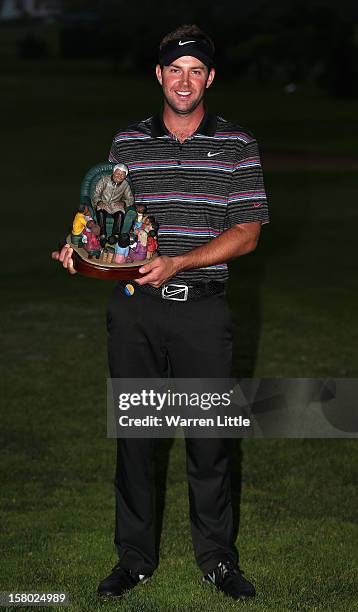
[[210, 154], [186, 42]]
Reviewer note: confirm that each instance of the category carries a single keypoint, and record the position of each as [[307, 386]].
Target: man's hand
[[158, 271], [65, 257]]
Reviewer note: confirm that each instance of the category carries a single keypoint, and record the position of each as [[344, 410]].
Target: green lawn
[[294, 303]]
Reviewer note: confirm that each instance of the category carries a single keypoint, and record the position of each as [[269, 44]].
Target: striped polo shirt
[[196, 189]]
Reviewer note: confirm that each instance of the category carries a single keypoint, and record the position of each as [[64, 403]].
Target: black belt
[[180, 292]]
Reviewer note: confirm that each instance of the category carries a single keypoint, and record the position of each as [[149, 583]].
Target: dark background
[[282, 42], [69, 80]]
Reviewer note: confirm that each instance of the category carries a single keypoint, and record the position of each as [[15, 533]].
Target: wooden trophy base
[[108, 271]]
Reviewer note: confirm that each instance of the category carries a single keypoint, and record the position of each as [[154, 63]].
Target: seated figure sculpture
[[112, 196], [110, 228]]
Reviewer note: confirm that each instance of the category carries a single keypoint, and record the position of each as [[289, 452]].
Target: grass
[[294, 305]]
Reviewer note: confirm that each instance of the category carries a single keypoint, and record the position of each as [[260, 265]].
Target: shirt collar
[[207, 126]]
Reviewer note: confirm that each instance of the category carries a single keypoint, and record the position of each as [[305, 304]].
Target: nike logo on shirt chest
[[214, 153]]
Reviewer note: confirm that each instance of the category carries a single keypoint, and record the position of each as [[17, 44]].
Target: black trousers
[[152, 337]]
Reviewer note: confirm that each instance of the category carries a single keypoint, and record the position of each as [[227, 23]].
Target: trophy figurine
[[111, 235], [112, 196]]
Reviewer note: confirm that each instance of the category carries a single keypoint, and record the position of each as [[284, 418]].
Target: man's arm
[[234, 242]]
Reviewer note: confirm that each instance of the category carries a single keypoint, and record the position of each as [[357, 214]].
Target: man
[[200, 177], [112, 195]]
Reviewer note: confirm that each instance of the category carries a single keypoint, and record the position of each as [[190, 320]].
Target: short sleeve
[[247, 200]]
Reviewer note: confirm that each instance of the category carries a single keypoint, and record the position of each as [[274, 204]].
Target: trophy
[[111, 236]]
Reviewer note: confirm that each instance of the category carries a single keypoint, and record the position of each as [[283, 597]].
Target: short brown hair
[[188, 31]]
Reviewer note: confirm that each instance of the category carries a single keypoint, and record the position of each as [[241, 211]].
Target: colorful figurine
[[112, 196], [152, 243], [149, 223], [151, 227], [90, 240], [109, 249], [79, 223], [121, 250], [109, 224], [139, 252], [140, 208]]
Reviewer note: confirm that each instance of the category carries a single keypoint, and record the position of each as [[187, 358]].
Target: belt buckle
[[179, 293]]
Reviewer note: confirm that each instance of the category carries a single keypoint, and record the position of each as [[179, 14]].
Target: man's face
[[184, 83], [119, 176]]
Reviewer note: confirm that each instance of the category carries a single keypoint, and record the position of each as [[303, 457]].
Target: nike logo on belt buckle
[[178, 293]]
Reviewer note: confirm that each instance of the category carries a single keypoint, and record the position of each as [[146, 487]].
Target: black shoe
[[229, 579], [113, 238], [119, 581]]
